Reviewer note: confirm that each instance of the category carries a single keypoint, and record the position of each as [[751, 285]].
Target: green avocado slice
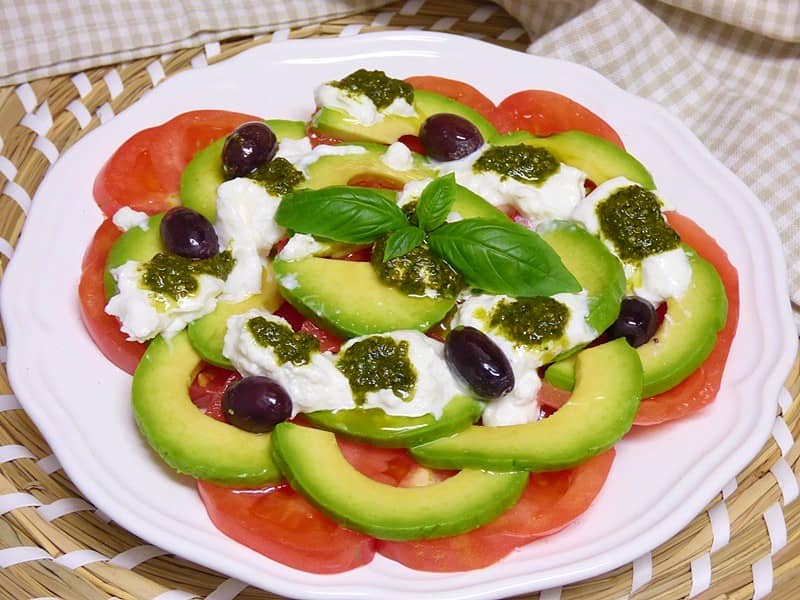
[[203, 175], [187, 440], [599, 412], [373, 425], [315, 467], [349, 299], [341, 169], [431, 103], [683, 341], [598, 271], [600, 159]]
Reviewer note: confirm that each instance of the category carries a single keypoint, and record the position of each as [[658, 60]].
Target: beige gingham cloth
[[730, 69]]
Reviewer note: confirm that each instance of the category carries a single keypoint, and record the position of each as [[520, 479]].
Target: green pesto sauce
[[376, 86], [377, 363], [176, 276], [527, 164], [278, 176], [530, 321], [417, 271], [631, 218], [410, 211], [288, 346]]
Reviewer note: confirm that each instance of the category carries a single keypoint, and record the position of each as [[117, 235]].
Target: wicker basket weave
[[53, 543]]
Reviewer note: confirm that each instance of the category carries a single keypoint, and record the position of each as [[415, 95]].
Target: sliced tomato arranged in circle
[[550, 502], [102, 327], [457, 90], [208, 387], [145, 172], [280, 524], [544, 113]]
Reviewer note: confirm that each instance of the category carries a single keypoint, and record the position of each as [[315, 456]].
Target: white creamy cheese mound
[[412, 191], [144, 314], [126, 218], [435, 385], [246, 225], [293, 150], [555, 198], [398, 157], [317, 385], [360, 106], [520, 405], [659, 276], [299, 246]]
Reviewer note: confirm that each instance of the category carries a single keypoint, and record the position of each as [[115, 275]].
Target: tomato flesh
[[544, 113], [457, 90], [102, 327], [145, 172], [282, 525]]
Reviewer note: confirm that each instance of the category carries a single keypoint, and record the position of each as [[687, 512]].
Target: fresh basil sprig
[[502, 258], [354, 215], [402, 242], [435, 202]]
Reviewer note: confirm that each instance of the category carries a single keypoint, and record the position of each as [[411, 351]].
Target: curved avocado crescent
[[608, 387], [315, 467], [188, 440]]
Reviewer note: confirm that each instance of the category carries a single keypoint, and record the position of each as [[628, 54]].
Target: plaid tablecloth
[[730, 69]]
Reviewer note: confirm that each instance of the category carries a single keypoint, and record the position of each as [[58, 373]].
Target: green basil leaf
[[402, 242], [435, 202], [342, 213], [502, 258]]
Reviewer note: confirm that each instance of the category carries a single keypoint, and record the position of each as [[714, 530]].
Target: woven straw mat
[[53, 543]]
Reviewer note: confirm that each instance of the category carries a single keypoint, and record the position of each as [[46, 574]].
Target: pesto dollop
[[527, 164], [377, 363], [176, 276], [530, 321], [377, 86], [278, 176], [419, 272], [288, 346], [631, 219]]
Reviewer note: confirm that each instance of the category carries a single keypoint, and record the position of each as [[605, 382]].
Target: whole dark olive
[[188, 233], [256, 404], [449, 137], [637, 321], [475, 359], [248, 147]]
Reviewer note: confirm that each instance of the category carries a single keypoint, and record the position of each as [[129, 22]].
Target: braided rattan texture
[[55, 544]]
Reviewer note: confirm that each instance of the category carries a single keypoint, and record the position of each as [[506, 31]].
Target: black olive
[[256, 404], [449, 137], [637, 321], [478, 362], [248, 147], [188, 234]]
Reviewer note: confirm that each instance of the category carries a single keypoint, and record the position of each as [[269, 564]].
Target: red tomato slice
[[327, 341], [145, 172], [282, 525], [102, 327], [457, 90], [549, 503], [701, 387], [387, 465], [543, 113]]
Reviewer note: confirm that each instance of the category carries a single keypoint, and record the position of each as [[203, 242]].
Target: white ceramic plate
[[662, 477]]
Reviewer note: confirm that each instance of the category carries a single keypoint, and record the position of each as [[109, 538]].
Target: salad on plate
[[416, 324]]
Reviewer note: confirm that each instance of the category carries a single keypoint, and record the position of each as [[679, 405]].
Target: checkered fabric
[[730, 69]]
